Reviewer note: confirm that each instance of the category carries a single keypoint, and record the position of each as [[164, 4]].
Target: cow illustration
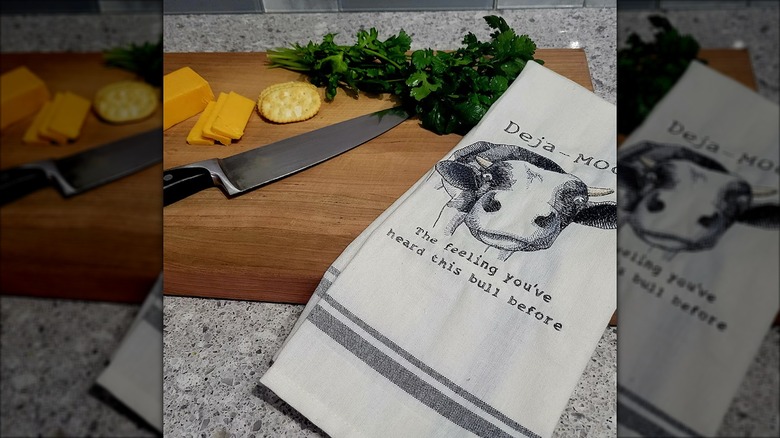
[[677, 199], [513, 199]]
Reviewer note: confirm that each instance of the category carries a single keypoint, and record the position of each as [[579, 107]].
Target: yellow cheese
[[233, 117], [185, 93], [31, 135], [207, 131], [196, 133], [21, 95], [69, 116], [46, 119]]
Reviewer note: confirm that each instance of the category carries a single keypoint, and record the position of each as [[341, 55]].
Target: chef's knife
[[85, 170], [251, 169]]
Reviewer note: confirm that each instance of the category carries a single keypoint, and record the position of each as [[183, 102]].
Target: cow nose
[[708, 221], [545, 221], [654, 204], [490, 204]]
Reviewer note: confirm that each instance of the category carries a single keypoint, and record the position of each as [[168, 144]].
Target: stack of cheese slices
[[58, 120], [186, 93]]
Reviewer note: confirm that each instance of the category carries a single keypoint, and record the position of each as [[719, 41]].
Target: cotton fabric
[[417, 328], [692, 315]]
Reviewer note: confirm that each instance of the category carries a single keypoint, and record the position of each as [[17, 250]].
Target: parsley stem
[[384, 58]]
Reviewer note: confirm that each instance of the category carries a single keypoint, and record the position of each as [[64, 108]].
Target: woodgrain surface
[[734, 63], [274, 243], [104, 244]]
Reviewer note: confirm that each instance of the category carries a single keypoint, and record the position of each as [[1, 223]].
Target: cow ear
[[600, 215], [763, 216], [457, 174]]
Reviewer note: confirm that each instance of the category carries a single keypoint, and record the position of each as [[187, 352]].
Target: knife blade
[[85, 170], [251, 169]]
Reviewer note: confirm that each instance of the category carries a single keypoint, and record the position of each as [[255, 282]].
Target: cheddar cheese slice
[[196, 133], [22, 93], [185, 93], [207, 131], [31, 135], [46, 119], [69, 116], [234, 115]]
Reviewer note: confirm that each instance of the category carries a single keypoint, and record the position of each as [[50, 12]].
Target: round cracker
[[125, 101], [278, 86], [290, 104]]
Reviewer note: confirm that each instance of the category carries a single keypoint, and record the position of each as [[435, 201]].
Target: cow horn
[[649, 162], [484, 163], [599, 191], [762, 191]]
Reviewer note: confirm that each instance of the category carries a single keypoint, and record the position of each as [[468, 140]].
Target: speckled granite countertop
[[52, 352]]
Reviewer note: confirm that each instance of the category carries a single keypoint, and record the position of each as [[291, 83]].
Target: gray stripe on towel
[[625, 392], [154, 316], [402, 377], [428, 370], [325, 284], [323, 287], [638, 423]]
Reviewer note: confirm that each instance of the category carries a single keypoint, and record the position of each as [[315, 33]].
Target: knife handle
[[20, 181], [180, 182]]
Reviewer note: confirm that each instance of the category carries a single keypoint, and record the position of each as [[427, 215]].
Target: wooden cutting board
[[104, 244], [274, 243]]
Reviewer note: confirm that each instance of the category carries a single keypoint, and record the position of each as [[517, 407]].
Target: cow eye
[[651, 177], [487, 177], [579, 199]]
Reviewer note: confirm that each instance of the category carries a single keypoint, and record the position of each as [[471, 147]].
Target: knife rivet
[[167, 177]]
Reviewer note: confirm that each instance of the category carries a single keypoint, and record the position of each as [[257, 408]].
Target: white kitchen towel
[[697, 253], [134, 375], [473, 305], [341, 262]]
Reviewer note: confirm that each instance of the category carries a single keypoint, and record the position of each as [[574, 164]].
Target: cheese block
[[234, 115], [68, 117], [31, 135], [207, 131], [22, 93], [185, 93], [46, 119], [196, 133]]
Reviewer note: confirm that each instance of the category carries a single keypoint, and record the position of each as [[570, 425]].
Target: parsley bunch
[[370, 65], [647, 70], [145, 60], [449, 91]]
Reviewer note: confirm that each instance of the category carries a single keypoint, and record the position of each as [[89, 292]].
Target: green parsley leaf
[[647, 70], [145, 60]]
